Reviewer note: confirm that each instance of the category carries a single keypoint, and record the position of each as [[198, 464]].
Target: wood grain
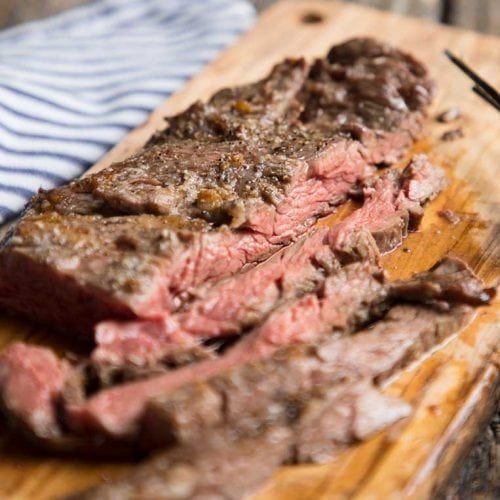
[[453, 389], [480, 15]]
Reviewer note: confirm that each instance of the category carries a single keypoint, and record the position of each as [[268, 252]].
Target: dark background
[[479, 478]]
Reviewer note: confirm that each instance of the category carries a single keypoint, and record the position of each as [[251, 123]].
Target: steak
[[316, 398], [227, 465], [392, 206], [221, 467], [346, 298], [447, 281], [227, 183], [258, 394], [349, 298], [80, 414], [239, 364], [180, 405]]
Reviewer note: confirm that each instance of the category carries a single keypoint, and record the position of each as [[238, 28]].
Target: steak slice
[[447, 281], [392, 205], [345, 299], [395, 204], [351, 297], [271, 391], [226, 184], [31, 380], [231, 466], [228, 465], [326, 401]]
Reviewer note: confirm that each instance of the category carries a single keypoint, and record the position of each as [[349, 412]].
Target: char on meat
[[227, 183]]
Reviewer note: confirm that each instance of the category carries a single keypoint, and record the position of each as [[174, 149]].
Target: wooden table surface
[[480, 15], [454, 389]]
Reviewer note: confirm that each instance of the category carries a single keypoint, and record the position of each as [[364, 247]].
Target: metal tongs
[[481, 88]]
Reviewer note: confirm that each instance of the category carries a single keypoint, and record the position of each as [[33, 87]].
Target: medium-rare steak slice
[[124, 254], [31, 380], [227, 183], [321, 397], [257, 394], [392, 205], [348, 297]]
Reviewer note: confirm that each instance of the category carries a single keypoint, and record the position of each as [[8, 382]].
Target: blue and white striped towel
[[73, 85]]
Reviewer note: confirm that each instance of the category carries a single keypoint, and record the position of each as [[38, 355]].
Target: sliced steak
[[366, 276], [447, 281], [391, 205], [320, 397], [246, 386], [232, 466], [350, 297], [273, 391], [31, 380], [133, 256], [226, 184], [228, 308], [346, 298], [317, 399]]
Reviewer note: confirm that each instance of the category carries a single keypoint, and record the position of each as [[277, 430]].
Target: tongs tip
[[481, 87]]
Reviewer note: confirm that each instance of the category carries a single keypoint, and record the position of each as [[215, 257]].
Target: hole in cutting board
[[312, 18]]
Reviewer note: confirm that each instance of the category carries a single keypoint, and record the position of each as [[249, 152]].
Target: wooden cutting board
[[453, 390]]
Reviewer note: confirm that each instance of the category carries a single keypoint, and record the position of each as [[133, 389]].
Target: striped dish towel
[[73, 85]]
